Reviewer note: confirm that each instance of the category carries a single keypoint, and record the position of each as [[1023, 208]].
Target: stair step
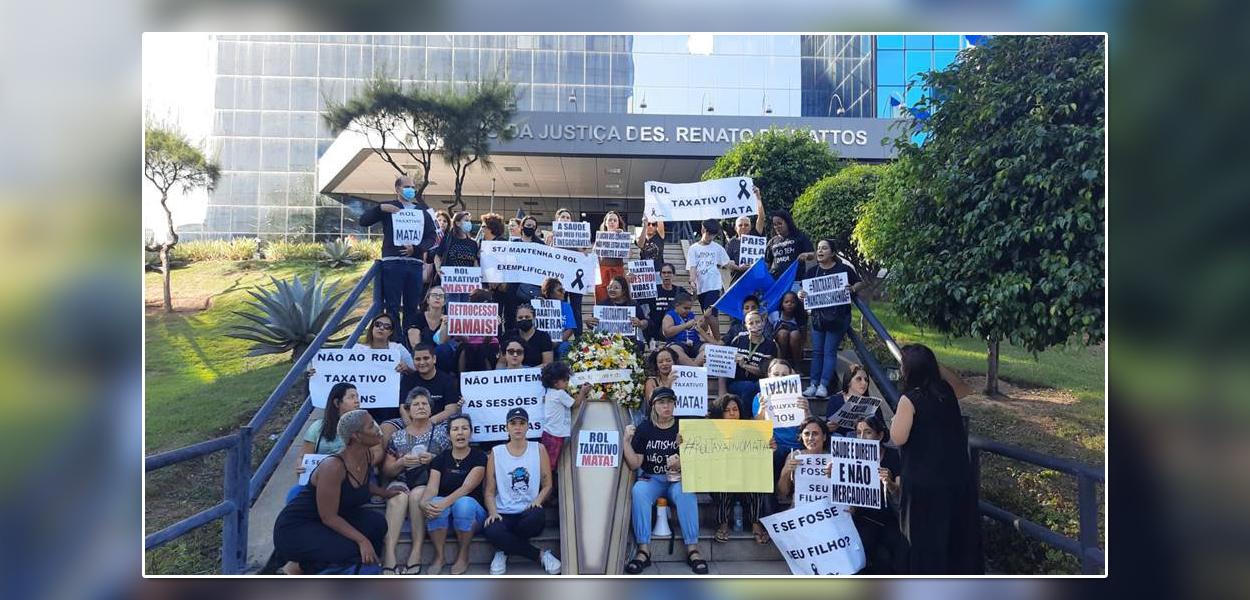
[[481, 551], [740, 547]]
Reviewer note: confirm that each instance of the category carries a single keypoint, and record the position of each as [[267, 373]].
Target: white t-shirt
[[557, 416], [517, 478], [705, 260]]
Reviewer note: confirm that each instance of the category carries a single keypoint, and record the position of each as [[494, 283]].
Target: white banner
[[854, 409], [614, 319], [407, 226], [810, 482], [489, 395], [310, 462], [690, 385], [598, 449], [642, 279], [600, 376], [826, 291], [523, 262], [571, 234], [817, 539], [549, 317], [751, 249], [783, 395], [612, 244], [854, 479], [473, 318], [460, 280], [371, 371], [715, 199], [720, 360]]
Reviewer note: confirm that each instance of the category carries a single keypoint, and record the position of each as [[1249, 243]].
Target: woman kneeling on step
[[652, 446]]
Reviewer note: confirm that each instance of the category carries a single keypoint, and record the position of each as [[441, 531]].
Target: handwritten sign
[[549, 317], [810, 482], [854, 479], [612, 244], [642, 279], [751, 249], [690, 385], [371, 371], [826, 291], [719, 455], [782, 396], [817, 538], [614, 319], [489, 395], [854, 409], [472, 318], [407, 226], [570, 234], [310, 462], [460, 280], [524, 262], [598, 449], [720, 360], [727, 198], [600, 376]]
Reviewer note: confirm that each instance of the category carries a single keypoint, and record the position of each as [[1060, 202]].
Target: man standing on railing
[[408, 233]]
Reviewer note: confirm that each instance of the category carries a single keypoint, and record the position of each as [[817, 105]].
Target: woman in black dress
[[939, 513]]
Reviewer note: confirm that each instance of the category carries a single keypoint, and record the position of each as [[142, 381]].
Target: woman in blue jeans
[[830, 323], [454, 496], [652, 446]]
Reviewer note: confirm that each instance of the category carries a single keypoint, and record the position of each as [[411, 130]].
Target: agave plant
[[291, 315], [338, 253]]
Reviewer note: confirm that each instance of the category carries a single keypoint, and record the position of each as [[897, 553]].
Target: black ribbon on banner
[[577, 280], [742, 189]]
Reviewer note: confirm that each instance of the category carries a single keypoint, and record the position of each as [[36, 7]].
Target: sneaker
[[550, 563], [499, 564], [821, 391], [810, 391]]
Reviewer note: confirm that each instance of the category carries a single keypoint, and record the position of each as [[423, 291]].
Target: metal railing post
[[237, 490], [1087, 506]]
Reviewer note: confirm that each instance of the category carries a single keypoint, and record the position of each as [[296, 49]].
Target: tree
[[472, 120], [993, 226], [782, 162], [829, 209], [169, 161]]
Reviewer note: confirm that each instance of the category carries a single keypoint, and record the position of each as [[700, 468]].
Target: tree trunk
[[171, 238], [169, 302], [991, 374]]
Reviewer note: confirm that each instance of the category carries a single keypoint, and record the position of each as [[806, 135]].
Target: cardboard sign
[[720, 455], [817, 538], [810, 482], [569, 234], [549, 317], [612, 244], [783, 395], [720, 360], [598, 449], [407, 226], [642, 279], [751, 249], [855, 479], [524, 262], [371, 371], [854, 409], [727, 198], [489, 395], [614, 319], [460, 280], [690, 385], [310, 462], [600, 376], [472, 318], [826, 291]]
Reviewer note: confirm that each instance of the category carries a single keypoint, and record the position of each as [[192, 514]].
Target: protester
[[618, 295], [430, 327], [401, 276], [479, 352], [442, 222], [514, 230], [665, 293], [814, 437], [787, 245], [686, 333], [512, 354], [856, 384], [453, 496], [939, 513], [322, 435], [884, 545], [536, 345], [704, 260], [529, 230], [554, 290], [521, 293], [609, 268], [377, 337], [558, 407], [327, 524], [661, 374], [408, 457], [730, 407], [652, 447], [459, 250], [651, 243], [443, 388], [575, 300], [829, 324], [790, 327], [754, 351], [786, 438], [736, 327], [518, 481], [742, 226]]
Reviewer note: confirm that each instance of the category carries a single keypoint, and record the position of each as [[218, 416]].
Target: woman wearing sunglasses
[[378, 337]]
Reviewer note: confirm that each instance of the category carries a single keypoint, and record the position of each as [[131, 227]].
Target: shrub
[[291, 315], [202, 250], [338, 253], [781, 162], [367, 249], [282, 251]]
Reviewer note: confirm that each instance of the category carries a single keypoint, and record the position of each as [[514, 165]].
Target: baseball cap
[[663, 392], [517, 412]]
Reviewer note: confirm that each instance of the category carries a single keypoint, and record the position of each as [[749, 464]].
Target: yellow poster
[[719, 455]]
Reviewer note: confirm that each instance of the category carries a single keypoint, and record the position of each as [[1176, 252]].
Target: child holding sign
[[558, 408]]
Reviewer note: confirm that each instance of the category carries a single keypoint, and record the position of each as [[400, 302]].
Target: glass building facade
[[269, 91]]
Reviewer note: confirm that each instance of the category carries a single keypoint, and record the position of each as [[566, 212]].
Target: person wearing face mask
[[538, 348], [529, 230], [522, 293], [459, 248], [402, 266]]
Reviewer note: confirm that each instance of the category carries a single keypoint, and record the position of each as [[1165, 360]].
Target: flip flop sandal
[[390, 571], [412, 569], [722, 535], [636, 566], [697, 565], [761, 537]]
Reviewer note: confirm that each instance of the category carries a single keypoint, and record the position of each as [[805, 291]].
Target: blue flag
[[755, 282], [772, 299]]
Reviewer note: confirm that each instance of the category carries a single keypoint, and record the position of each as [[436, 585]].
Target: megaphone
[[661, 529]]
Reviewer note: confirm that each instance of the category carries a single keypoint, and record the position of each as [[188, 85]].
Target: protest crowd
[[477, 309]]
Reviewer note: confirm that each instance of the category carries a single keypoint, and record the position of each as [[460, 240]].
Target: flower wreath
[[593, 351]]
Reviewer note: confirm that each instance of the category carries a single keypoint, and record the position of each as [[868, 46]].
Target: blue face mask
[[408, 193], [466, 226]]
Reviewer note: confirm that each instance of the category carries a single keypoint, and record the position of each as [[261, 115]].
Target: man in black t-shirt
[[444, 387]]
